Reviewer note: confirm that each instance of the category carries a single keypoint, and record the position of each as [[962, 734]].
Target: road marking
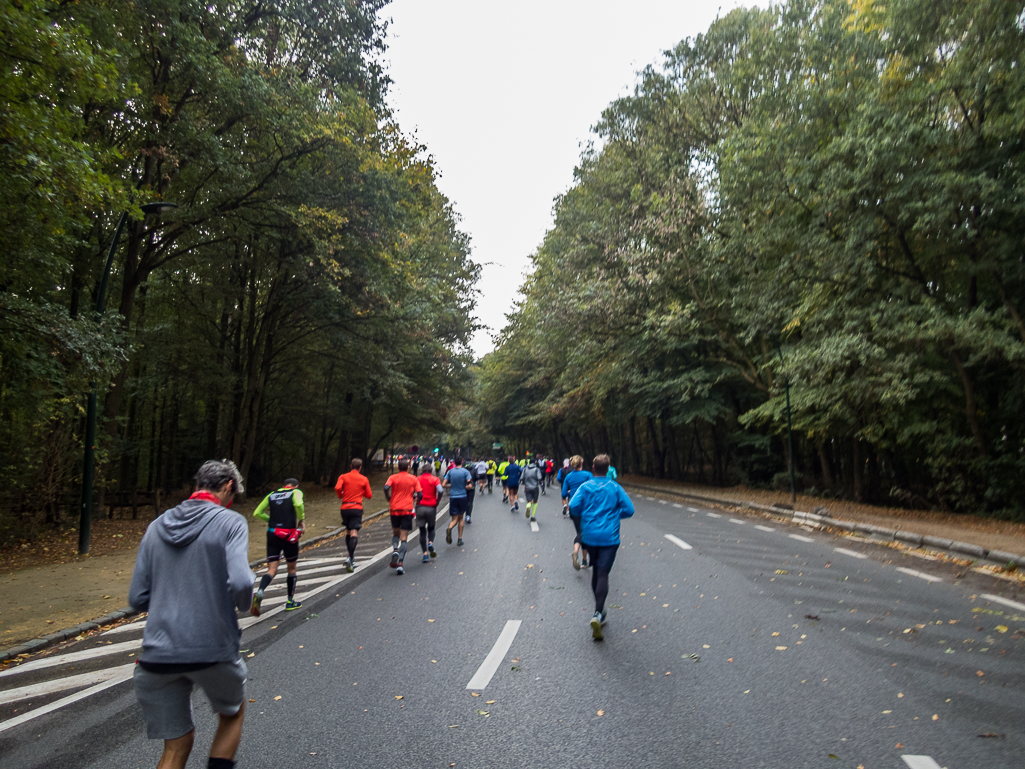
[[693, 510], [281, 584], [764, 528], [919, 574], [678, 506], [125, 675], [799, 538], [662, 502], [713, 515], [534, 527], [921, 762], [63, 684], [61, 659], [851, 553], [1004, 601], [490, 664], [737, 520], [678, 541], [126, 628]]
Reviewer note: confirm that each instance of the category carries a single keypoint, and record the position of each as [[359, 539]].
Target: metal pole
[[89, 460]]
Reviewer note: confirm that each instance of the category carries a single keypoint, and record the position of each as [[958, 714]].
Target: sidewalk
[[985, 532], [45, 598]]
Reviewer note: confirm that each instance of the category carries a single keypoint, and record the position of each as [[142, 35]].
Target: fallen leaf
[[273, 627], [781, 648], [705, 646], [252, 700], [887, 711], [935, 716], [812, 616], [899, 745], [775, 634], [483, 713], [730, 659], [434, 662], [475, 694], [430, 620], [277, 698], [1001, 628], [979, 673], [490, 702], [834, 756], [601, 712], [252, 654], [668, 672], [453, 726], [991, 734], [398, 696], [900, 695]]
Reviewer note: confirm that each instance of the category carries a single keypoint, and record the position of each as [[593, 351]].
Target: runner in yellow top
[[501, 475], [492, 467]]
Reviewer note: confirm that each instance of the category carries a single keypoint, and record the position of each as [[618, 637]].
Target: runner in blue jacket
[[601, 504]]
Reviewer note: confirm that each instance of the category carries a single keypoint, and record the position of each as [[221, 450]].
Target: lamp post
[[89, 461]]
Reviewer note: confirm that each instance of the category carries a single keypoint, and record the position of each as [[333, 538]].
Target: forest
[[308, 296], [812, 212]]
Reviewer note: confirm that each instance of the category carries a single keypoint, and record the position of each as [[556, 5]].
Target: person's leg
[[176, 752], [575, 555], [462, 522], [403, 536], [292, 579], [602, 559], [431, 523], [395, 541], [265, 580], [228, 735], [421, 525]]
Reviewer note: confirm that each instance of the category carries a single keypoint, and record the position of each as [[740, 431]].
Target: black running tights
[[602, 558]]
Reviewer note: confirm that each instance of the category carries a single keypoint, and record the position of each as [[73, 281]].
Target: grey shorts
[[166, 698]]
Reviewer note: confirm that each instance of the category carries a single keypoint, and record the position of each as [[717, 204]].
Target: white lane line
[[713, 515], [678, 507], [60, 659], [534, 527], [693, 510], [920, 762], [799, 538], [851, 553], [63, 684], [919, 574], [737, 520], [126, 628], [763, 528], [125, 675], [662, 502], [1004, 601], [678, 541], [490, 664]]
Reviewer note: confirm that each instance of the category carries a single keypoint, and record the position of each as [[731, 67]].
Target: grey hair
[[216, 472]]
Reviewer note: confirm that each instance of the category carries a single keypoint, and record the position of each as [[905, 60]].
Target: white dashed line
[[919, 574], [920, 762], [799, 538], [534, 527], [693, 510], [764, 528], [662, 502], [490, 664], [713, 515], [737, 520], [851, 553], [1004, 601], [677, 506], [678, 541]]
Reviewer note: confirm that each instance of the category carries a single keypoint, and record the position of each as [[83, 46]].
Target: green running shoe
[[257, 600], [291, 605]]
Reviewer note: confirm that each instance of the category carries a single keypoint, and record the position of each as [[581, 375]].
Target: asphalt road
[[762, 645]]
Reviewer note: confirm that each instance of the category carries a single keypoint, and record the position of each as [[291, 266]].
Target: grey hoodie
[[531, 478], [191, 574]]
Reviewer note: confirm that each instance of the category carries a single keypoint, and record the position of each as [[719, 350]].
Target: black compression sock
[[292, 579], [219, 763], [264, 581], [350, 542]]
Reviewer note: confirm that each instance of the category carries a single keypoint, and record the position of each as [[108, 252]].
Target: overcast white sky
[[504, 96]]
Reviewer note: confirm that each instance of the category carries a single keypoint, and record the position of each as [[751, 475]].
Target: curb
[[820, 521], [37, 644]]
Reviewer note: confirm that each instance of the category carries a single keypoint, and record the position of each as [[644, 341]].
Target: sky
[[504, 95]]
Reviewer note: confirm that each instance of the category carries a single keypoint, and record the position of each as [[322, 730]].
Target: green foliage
[[826, 194]]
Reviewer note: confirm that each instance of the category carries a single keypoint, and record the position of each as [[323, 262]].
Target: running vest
[[281, 510]]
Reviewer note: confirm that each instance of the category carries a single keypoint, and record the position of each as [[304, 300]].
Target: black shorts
[[457, 506], [403, 522], [513, 489], [532, 494], [352, 518], [276, 547]]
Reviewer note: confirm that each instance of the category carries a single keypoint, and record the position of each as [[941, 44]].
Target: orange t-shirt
[[352, 488], [403, 487]]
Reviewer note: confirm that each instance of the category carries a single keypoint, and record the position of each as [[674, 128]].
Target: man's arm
[[240, 575], [138, 593], [387, 491], [300, 509], [578, 501], [368, 493], [626, 505], [261, 510], [339, 485], [446, 483]]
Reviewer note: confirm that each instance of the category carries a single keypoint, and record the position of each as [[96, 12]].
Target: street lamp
[[88, 466]]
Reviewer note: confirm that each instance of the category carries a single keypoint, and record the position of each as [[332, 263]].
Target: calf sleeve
[[350, 542], [264, 581], [402, 552], [395, 542], [292, 579]]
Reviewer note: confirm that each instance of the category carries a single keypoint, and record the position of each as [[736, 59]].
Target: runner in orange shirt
[[404, 492], [352, 488]]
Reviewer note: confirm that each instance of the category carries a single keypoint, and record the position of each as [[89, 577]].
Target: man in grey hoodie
[[192, 574]]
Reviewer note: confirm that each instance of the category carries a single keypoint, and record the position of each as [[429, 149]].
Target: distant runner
[[482, 474], [403, 492], [352, 488], [471, 491], [601, 503], [457, 481], [576, 478], [532, 479], [492, 468], [427, 510], [501, 476], [283, 512], [512, 484]]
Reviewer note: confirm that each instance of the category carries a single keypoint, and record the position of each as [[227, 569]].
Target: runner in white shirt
[[482, 474]]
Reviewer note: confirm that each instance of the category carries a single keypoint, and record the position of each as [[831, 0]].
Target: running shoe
[[512, 509], [400, 570], [431, 550], [468, 521], [448, 536], [350, 567], [427, 558], [528, 512], [292, 605], [576, 561], [460, 542], [255, 608], [533, 519], [596, 622], [394, 559], [565, 509], [516, 504]]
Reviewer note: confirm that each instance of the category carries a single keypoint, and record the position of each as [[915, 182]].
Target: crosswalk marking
[[61, 659], [678, 541], [920, 762], [124, 675], [63, 684]]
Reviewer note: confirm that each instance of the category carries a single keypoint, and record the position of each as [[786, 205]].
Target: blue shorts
[[457, 506]]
